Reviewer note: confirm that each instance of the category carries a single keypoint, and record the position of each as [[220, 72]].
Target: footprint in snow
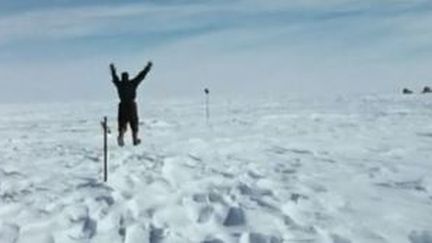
[[156, 234], [205, 214], [214, 240], [259, 238], [235, 217]]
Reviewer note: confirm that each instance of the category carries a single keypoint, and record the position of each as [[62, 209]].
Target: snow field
[[281, 170]]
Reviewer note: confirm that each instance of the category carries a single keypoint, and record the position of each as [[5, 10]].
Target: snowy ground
[[272, 170]]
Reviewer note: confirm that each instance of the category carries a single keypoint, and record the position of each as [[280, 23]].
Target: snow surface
[[261, 171]]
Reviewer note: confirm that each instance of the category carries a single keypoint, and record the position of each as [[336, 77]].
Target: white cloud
[[284, 46], [88, 20]]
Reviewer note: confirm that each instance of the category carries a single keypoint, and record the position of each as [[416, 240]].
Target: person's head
[[124, 77]]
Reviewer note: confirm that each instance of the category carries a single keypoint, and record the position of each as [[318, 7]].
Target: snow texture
[[342, 170]]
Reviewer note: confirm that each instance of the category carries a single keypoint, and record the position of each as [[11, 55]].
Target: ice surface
[[343, 170]]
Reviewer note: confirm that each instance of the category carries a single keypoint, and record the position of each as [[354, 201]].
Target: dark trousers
[[127, 113]]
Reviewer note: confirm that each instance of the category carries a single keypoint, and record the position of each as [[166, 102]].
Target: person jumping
[[127, 109]]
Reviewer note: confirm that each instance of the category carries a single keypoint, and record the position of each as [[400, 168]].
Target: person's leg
[[122, 124], [134, 123]]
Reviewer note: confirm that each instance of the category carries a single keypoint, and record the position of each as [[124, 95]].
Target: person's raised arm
[[140, 77], [115, 78]]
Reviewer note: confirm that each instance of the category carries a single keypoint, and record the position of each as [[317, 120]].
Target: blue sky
[[60, 50]]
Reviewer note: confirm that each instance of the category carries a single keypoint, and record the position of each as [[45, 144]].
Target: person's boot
[[135, 139], [120, 140]]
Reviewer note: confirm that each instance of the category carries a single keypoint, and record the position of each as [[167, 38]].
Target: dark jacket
[[127, 89]]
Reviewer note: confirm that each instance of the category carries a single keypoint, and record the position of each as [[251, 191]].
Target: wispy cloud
[[309, 41], [166, 20]]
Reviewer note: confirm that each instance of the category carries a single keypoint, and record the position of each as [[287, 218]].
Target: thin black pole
[[207, 92], [105, 128]]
